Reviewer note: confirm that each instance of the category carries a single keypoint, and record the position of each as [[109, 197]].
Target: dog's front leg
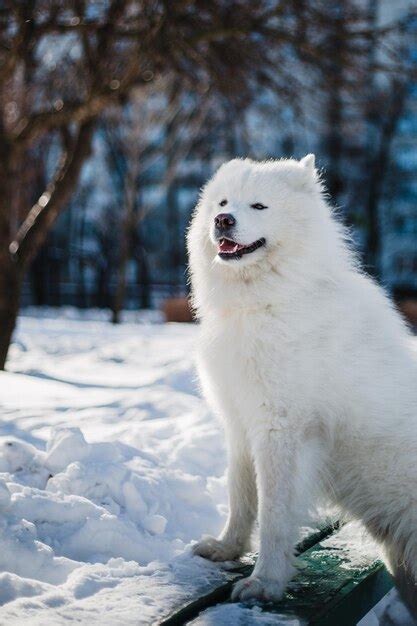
[[278, 481], [235, 538]]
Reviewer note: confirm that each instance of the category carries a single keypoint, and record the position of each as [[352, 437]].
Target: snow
[[110, 466], [353, 546], [238, 615]]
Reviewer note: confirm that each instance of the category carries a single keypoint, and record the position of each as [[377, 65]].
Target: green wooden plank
[[327, 591], [190, 610], [357, 600]]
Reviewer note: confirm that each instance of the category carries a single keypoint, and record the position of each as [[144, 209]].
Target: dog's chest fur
[[246, 363]]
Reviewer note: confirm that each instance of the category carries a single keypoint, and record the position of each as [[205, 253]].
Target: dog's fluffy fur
[[309, 366]]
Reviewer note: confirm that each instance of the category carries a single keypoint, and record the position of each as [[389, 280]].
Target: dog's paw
[[216, 550], [255, 588]]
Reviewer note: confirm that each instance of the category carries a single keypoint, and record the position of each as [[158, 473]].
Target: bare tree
[[63, 62], [383, 125], [135, 151], [395, 97]]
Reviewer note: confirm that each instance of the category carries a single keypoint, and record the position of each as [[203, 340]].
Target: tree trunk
[[103, 298], [378, 171], [173, 222], [82, 287], [10, 276], [124, 255], [333, 140], [143, 278], [126, 239], [10, 285], [15, 256]]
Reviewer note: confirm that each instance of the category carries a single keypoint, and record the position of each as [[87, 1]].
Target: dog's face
[[250, 209]]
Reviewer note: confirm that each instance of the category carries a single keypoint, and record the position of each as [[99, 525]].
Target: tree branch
[[43, 214], [78, 112]]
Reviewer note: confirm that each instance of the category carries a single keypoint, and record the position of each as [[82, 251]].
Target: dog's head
[[250, 212], [261, 231]]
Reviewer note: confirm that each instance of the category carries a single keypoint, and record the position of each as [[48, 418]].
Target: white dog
[[309, 366]]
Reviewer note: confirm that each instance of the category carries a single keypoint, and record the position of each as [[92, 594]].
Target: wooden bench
[[338, 581]]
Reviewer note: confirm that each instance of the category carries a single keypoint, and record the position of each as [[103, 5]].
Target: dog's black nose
[[223, 221]]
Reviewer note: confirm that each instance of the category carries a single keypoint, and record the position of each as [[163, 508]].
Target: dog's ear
[[309, 163], [311, 176]]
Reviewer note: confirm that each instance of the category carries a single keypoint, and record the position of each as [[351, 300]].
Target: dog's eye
[[223, 203], [258, 206]]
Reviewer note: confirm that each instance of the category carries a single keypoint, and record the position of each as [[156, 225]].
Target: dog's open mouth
[[229, 249]]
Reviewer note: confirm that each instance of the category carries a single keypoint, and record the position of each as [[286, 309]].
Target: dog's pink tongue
[[227, 246]]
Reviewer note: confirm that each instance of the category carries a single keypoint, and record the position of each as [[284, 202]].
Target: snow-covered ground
[[110, 465]]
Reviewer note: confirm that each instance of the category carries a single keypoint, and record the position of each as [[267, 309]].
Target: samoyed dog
[[309, 366]]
